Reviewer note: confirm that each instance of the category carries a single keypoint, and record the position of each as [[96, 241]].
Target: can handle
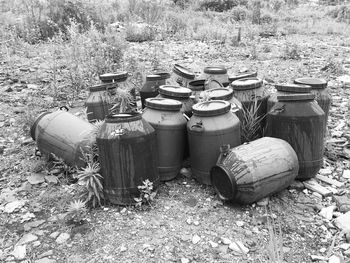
[[65, 108], [198, 127]]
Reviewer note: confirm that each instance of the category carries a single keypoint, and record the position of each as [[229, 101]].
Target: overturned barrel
[[128, 156], [64, 135], [252, 171]]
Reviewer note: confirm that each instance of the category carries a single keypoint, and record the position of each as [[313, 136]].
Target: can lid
[[197, 85], [162, 73], [33, 127], [123, 117], [219, 69], [295, 88], [242, 75], [183, 72], [296, 97], [163, 104], [153, 77], [247, 83], [102, 87], [211, 108], [175, 91], [220, 94], [315, 83], [116, 77]]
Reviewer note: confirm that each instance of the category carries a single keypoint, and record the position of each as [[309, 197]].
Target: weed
[[150, 11], [251, 122], [341, 13], [147, 194], [266, 48], [139, 32], [76, 212], [221, 5], [91, 180], [275, 243], [291, 51], [239, 13]]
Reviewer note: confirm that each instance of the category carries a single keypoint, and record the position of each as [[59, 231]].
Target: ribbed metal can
[[170, 125], [128, 155], [211, 126], [299, 120], [254, 170], [218, 73]]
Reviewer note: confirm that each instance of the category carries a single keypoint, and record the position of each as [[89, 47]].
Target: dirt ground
[[187, 222]]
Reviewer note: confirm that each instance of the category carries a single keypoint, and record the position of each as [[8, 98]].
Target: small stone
[[32, 86], [51, 179], [347, 236], [36, 179], [27, 238], [18, 110], [122, 248], [343, 202], [19, 252], [335, 259], [240, 223], [196, 223], [33, 224], [54, 234], [297, 185], [345, 246], [213, 244], [346, 174], [124, 210], [343, 222], [317, 258], [195, 239], [323, 249], [325, 171], [225, 241], [346, 253], [189, 221], [46, 254], [36, 243], [263, 202], [62, 238], [186, 172], [13, 206], [327, 212], [238, 247], [55, 171], [185, 260], [75, 259], [45, 260]]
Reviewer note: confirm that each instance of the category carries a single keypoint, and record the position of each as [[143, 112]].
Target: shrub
[[140, 32], [150, 11], [341, 13], [221, 5], [175, 23], [291, 52], [239, 13]]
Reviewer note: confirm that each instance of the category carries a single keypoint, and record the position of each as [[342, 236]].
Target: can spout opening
[[223, 184]]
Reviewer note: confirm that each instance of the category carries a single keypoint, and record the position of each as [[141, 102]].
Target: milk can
[[321, 91], [253, 96], [285, 89], [150, 88], [196, 86], [218, 73], [183, 75], [211, 126], [299, 120], [127, 148], [227, 95], [170, 125], [242, 75], [254, 170], [115, 77], [64, 135], [99, 102], [181, 94]]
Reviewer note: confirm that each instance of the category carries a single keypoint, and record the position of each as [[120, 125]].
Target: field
[[51, 51]]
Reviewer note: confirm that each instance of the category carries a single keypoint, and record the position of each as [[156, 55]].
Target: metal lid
[[211, 108], [163, 104], [183, 72], [123, 117], [220, 94], [33, 127], [315, 83], [162, 73], [175, 91], [215, 70], [293, 88], [116, 77], [242, 75], [197, 85], [154, 77], [296, 97], [247, 83], [102, 87]]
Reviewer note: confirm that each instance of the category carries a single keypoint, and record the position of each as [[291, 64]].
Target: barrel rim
[[152, 104], [114, 118], [207, 113], [225, 97], [116, 76], [296, 97], [315, 83], [231, 179], [240, 85], [102, 87], [162, 73], [197, 84], [153, 77], [217, 69], [185, 93], [246, 74], [35, 124], [183, 72], [293, 87]]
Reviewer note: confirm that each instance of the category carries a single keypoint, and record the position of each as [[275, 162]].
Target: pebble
[[45, 260], [346, 174], [213, 244], [238, 247], [196, 223], [335, 259], [122, 248], [195, 239], [19, 252], [51, 179], [46, 254], [189, 221], [239, 223], [75, 259], [13, 206], [343, 222], [54, 234], [33, 224], [327, 212], [36, 243], [185, 260], [27, 238], [62, 238], [263, 202], [325, 171], [225, 241], [345, 246], [36, 179], [322, 250]]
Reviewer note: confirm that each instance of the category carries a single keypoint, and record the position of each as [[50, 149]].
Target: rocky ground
[[187, 222]]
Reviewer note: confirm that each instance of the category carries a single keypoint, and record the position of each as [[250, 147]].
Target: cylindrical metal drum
[[196, 86], [253, 96], [181, 94], [183, 75], [243, 75], [321, 91], [285, 89], [64, 135], [99, 102], [300, 121], [165, 117], [218, 73], [252, 171], [211, 126], [128, 155], [150, 88]]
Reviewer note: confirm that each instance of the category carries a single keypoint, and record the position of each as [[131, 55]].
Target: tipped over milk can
[[128, 156], [63, 134], [252, 171]]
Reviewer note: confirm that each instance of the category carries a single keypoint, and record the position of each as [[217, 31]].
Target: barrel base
[[201, 177], [308, 171], [168, 173]]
